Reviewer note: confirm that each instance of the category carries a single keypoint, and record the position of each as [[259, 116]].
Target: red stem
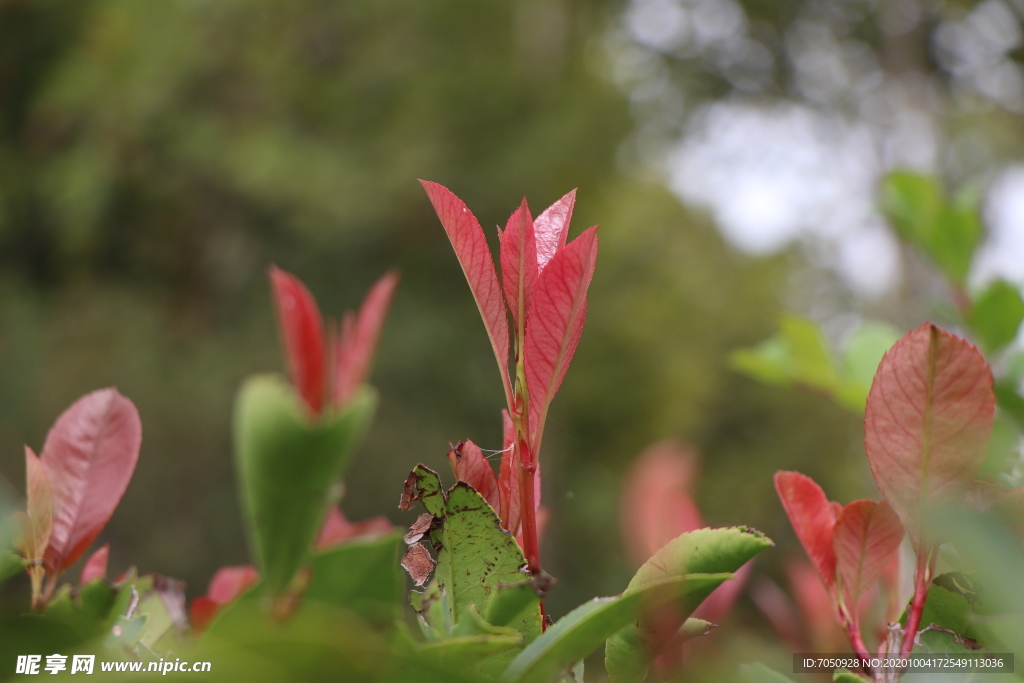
[[527, 478], [922, 582], [851, 624]]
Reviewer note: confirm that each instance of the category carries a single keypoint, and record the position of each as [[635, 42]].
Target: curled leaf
[[469, 465], [302, 330], [353, 352]]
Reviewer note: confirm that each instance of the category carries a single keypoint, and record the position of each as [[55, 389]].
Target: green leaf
[[580, 632], [10, 564], [287, 465], [476, 557], [363, 577], [629, 653], [759, 673], [863, 353], [469, 653], [846, 676], [996, 315], [511, 603], [947, 232]]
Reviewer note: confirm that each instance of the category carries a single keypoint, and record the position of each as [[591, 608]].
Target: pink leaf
[[813, 518], [230, 582], [469, 465], [555, 322], [716, 607], [96, 566], [337, 529], [519, 263], [467, 238], [867, 535], [302, 330], [509, 500], [90, 455], [657, 504], [927, 422], [39, 494], [552, 227], [358, 341]]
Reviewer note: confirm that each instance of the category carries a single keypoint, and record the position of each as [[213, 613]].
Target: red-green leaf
[[552, 227], [302, 330], [866, 536], [469, 465], [519, 263], [96, 566], [928, 420], [813, 518], [555, 322], [39, 494], [467, 238], [353, 352], [90, 455]]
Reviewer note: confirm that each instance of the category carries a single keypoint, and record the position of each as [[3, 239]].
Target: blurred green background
[[155, 158]]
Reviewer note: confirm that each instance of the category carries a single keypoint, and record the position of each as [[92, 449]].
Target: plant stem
[[922, 582], [528, 505]]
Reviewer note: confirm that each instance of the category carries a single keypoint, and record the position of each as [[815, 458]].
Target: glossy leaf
[[555, 322], [552, 227], [89, 455], [354, 348], [928, 420], [95, 568], [996, 315], [629, 653], [813, 519], [582, 631], [467, 238], [469, 465], [286, 467], [302, 332], [519, 263], [866, 536]]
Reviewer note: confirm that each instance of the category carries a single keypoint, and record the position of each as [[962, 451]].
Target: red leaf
[[657, 504], [302, 330], [39, 504], [927, 422], [717, 606], [555, 322], [509, 500], [813, 518], [469, 465], [467, 238], [230, 582], [201, 613], [337, 529], [90, 455], [552, 227], [358, 340], [867, 534], [519, 263], [815, 605], [96, 566]]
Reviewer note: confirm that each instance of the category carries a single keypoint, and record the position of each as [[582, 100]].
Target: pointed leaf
[[582, 631], [39, 503], [928, 420], [90, 455], [813, 519], [302, 331], [555, 322], [467, 238], [630, 652], [95, 567], [552, 227], [469, 465], [287, 467], [356, 345], [867, 534], [519, 264]]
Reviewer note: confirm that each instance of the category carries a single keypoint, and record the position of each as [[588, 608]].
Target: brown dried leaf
[[420, 527], [418, 563]]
